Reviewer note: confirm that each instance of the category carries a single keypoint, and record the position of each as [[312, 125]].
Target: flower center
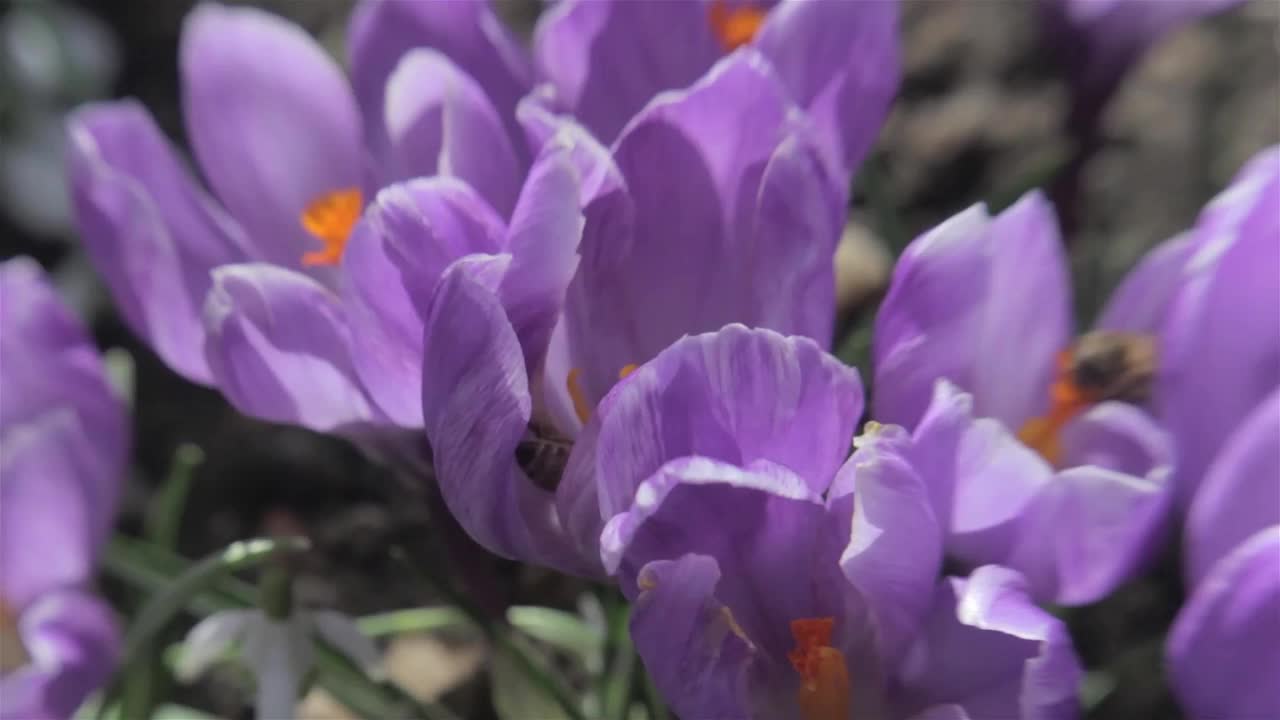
[[1101, 365], [330, 218], [582, 406], [824, 677], [734, 27], [13, 654]]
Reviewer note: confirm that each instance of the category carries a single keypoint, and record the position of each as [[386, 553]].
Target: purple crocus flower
[[255, 292], [836, 59], [1222, 652], [714, 206], [773, 577], [63, 447], [1099, 40]]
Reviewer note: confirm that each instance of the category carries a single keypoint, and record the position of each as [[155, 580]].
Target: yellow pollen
[[581, 407], [1066, 400], [330, 219], [626, 370], [824, 676], [734, 27]]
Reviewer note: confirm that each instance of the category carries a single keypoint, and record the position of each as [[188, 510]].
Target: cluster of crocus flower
[[63, 449]]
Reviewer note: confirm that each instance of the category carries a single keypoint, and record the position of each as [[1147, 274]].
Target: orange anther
[[734, 27], [330, 218]]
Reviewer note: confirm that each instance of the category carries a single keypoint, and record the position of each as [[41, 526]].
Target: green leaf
[[164, 514], [561, 630], [516, 696]]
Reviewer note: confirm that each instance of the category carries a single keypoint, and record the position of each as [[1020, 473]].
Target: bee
[[543, 454], [1113, 365]]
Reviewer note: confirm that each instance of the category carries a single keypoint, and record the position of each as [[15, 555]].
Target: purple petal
[[608, 59], [279, 347], [397, 253], [895, 548], [981, 477], [769, 534], [271, 137], [1222, 652], [1240, 493], [988, 648], [546, 228], [467, 32], [839, 60], [438, 120], [1142, 302], [151, 232], [983, 302], [476, 407], [74, 646], [736, 396], [687, 640], [1221, 352]]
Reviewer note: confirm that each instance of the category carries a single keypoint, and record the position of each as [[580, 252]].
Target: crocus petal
[[726, 185], [49, 507], [340, 631], [1240, 493], [1142, 302], [737, 396], [271, 137], [467, 32], [607, 59], [397, 253], [543, 241], [1222, 349], [279, 348], [209, 640], [1222, 650], [770, 536], [983, 302], [687, 639], [981, 477], [440, 121], [894, 551], [74, 646], [839, 60], [989, 649], [476, 408], [150, 231]]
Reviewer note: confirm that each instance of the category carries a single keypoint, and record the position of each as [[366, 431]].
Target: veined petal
[[1142, 302], [74, 646], [149, 229], [406, 240], [1222, 650], [989, 649], [1240, 493], [279, 346], [983, 302], [271, 137], [438, 120]]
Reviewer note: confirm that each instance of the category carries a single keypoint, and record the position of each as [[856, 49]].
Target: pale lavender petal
[[209, 640], [468, 32], [983, 302], [608, 59], [989, 649], [74, 646], [687, 638], [1240, 493], [839, 60], [1222, 653], [279, 346], [272, 136], [476, 407], [341, 631], [397, 253], [771, 537], [149, 229], [1142, 302], [1222, 349], [439, 121]]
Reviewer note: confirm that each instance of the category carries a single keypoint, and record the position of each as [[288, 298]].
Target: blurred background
[[979, 118]]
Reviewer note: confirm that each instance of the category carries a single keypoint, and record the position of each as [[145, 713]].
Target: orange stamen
[[734, 27], [330, 219], [824, 676], [1066, 401], [13, 653], [626, 370], [581, 407]]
